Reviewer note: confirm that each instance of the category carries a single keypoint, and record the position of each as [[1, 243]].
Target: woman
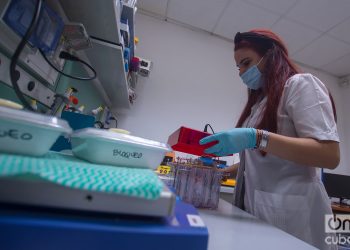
[[286, 131]]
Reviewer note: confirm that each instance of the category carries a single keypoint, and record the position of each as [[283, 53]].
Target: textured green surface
[[71, 172]]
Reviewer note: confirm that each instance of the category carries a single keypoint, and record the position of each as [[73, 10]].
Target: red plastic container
[[187, 140]]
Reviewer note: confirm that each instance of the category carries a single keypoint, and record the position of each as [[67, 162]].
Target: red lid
[[187, 140]]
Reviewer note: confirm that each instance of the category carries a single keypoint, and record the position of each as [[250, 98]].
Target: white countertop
[[232, 228]]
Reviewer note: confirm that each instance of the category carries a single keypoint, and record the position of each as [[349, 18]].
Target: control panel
[[15, 16], [27, 84]]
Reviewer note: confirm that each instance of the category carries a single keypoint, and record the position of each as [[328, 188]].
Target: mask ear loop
[[268, 52], [260, 60], [267, 55]]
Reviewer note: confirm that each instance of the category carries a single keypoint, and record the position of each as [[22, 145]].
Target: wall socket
[[344, 81], [27, 84]]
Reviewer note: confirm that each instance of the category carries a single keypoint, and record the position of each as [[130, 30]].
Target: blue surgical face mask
[[252, 77]]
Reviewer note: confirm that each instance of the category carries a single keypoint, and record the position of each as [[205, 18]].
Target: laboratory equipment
[[166, 174], [40, 27], [187, 140], [76, 37], [25, 132], [196, 183], [15, 21], [112, 122], [28, 84], [96, 111], [46, 37], [62, 181], [135, 64], [337, 186], [124, 30], [33, 104], [88, 231], [46, 194], [61, 102], [107, 147]]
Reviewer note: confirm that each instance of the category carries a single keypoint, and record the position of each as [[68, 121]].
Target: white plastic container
[[106, 147], [29, 133]]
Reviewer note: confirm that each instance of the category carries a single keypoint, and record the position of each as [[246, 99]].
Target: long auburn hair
[[277, 70]]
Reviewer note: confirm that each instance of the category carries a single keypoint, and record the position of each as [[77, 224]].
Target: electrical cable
[[18, 51], [69, 57], [206, 128]]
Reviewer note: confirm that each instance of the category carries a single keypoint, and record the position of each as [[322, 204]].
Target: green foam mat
[[68, 171]]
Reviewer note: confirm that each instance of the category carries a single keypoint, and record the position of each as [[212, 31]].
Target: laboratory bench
[[232, 228], [339, 208], [226, 193]]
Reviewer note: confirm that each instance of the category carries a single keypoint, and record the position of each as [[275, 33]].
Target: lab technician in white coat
[[286, 131]]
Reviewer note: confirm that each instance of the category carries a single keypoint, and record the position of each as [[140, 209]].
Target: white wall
[[344, 167], [194, 81]]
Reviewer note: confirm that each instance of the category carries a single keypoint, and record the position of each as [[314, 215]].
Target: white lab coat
[[283, 193]]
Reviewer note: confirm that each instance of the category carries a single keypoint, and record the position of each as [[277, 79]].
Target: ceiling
[[317, 32]]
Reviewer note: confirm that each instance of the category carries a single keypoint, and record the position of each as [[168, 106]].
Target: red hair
[[278, 68]]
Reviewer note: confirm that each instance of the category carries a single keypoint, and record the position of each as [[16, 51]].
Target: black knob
[[31, 85]]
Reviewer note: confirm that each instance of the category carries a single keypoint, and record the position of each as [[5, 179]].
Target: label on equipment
[[164, 170], [195, 220]]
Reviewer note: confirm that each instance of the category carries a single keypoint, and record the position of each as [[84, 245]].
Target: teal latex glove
[[231, 141]]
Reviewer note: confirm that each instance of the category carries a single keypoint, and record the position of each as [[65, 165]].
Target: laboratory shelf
[[108, 61], [100, 18], [102, 22]]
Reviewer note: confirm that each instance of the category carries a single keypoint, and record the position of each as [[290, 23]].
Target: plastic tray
[[28, 133], [106, 147]]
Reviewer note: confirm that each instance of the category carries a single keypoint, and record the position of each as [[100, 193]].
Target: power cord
[[206, 128], [69, 57], [18, 51]]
